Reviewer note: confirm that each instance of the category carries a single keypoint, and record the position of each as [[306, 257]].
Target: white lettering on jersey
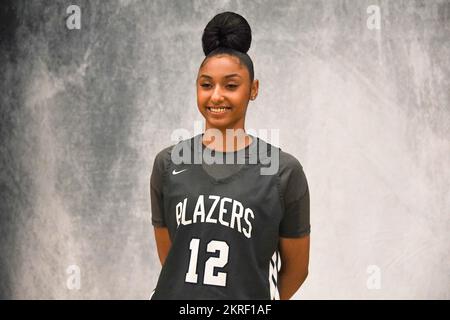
[[236, 216], [208, 218], [199, 210], [248, 233], [231, 213], [178, 212], [183, 214], [222, 210]]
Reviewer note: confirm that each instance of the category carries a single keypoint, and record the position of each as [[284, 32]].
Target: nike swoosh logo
[[174, 172]]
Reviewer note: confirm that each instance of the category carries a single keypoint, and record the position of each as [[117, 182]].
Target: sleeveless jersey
[[224, 232]]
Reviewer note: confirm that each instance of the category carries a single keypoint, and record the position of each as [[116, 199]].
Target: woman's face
[[223, 92]]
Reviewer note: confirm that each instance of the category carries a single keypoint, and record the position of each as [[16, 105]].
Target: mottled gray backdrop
[[84, 112]]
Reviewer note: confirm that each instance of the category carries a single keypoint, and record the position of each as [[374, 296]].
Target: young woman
[[227, 231]]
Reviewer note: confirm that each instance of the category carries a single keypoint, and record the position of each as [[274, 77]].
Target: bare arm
[[294, 265], [163, 242]]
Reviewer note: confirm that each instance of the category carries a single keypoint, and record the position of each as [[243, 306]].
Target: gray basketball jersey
[[224, 231]]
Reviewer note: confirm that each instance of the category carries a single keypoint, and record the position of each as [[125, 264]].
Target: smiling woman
[[225, 81], [228, 231]]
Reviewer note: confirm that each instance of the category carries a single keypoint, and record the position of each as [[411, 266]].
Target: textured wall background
[[84, 112]]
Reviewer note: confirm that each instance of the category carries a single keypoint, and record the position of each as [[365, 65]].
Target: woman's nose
[[217, 95]]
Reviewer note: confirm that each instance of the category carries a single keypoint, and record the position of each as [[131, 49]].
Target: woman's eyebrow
[[227, 76]]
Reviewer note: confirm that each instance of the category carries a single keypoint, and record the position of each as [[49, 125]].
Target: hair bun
[[227, 29]]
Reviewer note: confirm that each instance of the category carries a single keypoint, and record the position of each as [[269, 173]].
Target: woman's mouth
[[218, 110]]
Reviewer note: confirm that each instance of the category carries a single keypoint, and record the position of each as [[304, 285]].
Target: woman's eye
[[207, 85]]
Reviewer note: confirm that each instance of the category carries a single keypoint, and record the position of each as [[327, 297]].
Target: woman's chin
[[218, 123]]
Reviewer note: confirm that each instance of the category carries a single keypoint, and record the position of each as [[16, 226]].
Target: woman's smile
[[218, 111]]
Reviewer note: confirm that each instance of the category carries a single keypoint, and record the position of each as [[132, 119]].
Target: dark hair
[[228, 33]]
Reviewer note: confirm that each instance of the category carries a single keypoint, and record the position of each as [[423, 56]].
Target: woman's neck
[[226, 140]]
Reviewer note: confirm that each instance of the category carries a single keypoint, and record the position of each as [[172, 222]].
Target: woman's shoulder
[[164, 154], [289, 162], [162, 158], [293, 180]]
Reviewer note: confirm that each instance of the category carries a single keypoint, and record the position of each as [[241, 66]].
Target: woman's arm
[[163, 242], [294, 265]]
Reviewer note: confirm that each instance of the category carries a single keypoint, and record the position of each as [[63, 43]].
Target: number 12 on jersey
[[213, 262]]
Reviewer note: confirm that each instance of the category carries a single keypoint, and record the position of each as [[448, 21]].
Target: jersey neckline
[[247, 150]]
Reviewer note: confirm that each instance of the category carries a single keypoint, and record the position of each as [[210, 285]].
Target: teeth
[[217, 110]]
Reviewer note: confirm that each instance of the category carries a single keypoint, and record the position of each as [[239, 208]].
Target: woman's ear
[[254, 89]]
